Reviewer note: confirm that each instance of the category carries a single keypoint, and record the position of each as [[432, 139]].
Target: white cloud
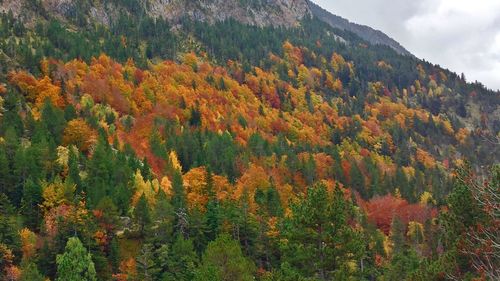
[[461, 35]]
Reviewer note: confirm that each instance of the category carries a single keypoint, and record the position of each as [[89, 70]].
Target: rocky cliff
[[254, 12]]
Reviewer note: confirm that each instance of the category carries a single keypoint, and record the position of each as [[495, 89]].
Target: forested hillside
[[144, 148]]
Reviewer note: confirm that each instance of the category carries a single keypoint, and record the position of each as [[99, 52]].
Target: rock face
[[369, 34], [254, 12]]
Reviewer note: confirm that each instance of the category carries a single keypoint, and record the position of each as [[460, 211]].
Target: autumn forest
[[143, 151]]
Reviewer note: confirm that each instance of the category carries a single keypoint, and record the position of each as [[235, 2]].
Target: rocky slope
[[369, 34], [286, 13], [260, 12], [256, 12]]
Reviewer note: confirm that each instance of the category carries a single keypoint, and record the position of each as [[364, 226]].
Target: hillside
[[236, 140], [375, 37]]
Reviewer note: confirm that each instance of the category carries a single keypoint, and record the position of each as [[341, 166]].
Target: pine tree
[[8, 224], [53, 118], [398, 235], [179, 263], [213, 212], [358, 180], [30, 273], [75, 264], [309, 170], [180, 205], [146, 266], [179, 195], [320, 242], [30, 204], [114, 254], [224, 261], [142, 215]]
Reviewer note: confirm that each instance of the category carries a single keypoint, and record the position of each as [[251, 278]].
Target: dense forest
[[146, 151]]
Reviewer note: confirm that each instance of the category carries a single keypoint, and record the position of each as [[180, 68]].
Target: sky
[[461, 35]]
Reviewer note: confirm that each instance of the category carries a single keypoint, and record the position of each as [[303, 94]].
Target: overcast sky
[[461, 35]]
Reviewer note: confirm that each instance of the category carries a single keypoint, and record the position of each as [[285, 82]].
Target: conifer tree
[[142, 215], [75, 264], [319, 242], [223, 260]]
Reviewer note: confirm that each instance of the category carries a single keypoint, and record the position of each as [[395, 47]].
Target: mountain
[[255, 12], [236, 140], [369, 34]]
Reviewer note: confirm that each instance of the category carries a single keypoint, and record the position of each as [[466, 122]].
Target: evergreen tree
[[5, 172], [30, 273], [142, 215], [398, 235], [213, 212], [309, 170], [8, 224], [146, 267], [30, 204], [114, 254], [358, 180], [320, 243], [53, 118], [403, 264], [179, 263], [404, 186], [224, 261], [180, 205], [75, 264]]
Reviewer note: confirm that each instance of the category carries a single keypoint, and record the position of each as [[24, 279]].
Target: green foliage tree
[[142, 215], [179, 262], [146, 267], [75, 264], [319, 242], [223, 260], [30, 273], [30, 204]]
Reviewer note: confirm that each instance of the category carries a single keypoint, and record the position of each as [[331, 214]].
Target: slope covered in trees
[[234, 152]]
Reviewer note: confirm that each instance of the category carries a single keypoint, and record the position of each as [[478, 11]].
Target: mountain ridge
[[375, 37], [257, 13]]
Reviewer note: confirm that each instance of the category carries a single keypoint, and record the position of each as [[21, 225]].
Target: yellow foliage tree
[[147, 188], [28, 242], [56, 194], [79, 133]]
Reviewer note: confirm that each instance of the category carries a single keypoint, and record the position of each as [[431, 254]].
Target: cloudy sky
[[461, 35]]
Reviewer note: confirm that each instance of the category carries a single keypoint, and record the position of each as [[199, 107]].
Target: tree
[[179, 262], [398, 235], [224, 261], [31, 200], [319, 241], [179, 204], [75, 264], [146, 267], [358, 180], [141, 214], [403, 264], [79, 133], [30, 273], [472, 228], [8, 225], [53, 119], [114, 254], [213, 213]]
